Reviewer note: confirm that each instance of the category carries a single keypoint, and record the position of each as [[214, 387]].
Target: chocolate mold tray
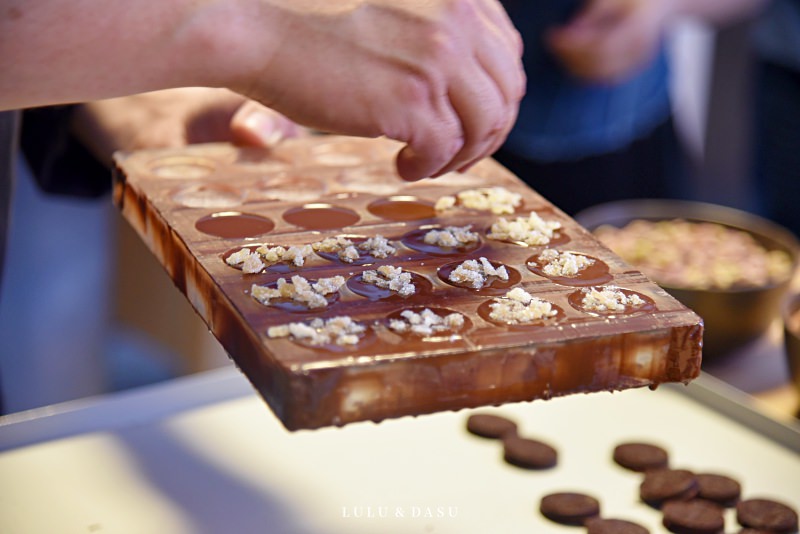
[[196, 205]]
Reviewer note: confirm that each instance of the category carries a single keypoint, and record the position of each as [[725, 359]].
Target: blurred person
[[595, 124]]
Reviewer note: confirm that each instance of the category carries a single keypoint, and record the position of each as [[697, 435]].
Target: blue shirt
[[563, 118]]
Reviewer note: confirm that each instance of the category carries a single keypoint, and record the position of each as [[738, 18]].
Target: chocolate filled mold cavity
[[234, 224], [497, 200], [610, 300], [261, 239], [402, 208], [569, 268], [320, 216]]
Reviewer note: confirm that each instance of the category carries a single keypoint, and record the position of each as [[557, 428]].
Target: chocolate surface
[[767, 514], [528, 453], [663, 485], [693, 517], [599, 525], [490, 426], [638, 456], [569, 508], [393, 376], [719, 489]]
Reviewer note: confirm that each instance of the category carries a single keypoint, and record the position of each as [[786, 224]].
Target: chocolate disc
[[490, 426], [528, 453], [599, 525], [667, 484], [638, 456], [718, 489], [693, 517], [569, 508], [766, 514]]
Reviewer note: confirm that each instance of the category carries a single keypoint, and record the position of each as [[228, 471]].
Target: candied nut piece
[[498, 200], [348, 251], [299, 290], [451, 236], [555, 263], [475, 273], [767, 514], [391, 278], [340, 331], [569, 508], [719, 489], [693, 517], [528, 453], [249, 261], [519, 306], [531, 230], [294, 254], [490, 426], [426, 322], [638, 456], [662, 485], [599, 525], [609, 298]]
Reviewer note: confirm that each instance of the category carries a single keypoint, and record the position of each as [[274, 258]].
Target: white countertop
[[205, 455]]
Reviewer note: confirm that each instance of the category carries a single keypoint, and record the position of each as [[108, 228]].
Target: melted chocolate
[[416, 240], [233, 224], [402, 208], [576, 300], [493, 285], [320, 217], [357, 285], [486, 308], [279, 267], [595, 274], [441, 312], [363, 257]]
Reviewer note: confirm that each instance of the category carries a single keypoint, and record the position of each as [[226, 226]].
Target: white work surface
[[160, 462]]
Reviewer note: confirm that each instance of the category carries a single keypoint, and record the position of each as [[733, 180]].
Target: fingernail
[[264, 127]]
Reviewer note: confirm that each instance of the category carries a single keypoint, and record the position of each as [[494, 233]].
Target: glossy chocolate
[[230, 224]]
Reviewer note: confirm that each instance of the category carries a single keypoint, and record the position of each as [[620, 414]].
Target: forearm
[[55, 51]]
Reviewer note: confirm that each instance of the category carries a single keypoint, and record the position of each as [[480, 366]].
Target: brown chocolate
[[638, 456], [693, 517], [392, 376], [569, 508], [528, 453], [490, 426], [719, 489], [600, 525], [662, 485], [767, 514]]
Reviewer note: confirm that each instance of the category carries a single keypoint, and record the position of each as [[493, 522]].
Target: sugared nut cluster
[[531, 230], [519, 306], [426, 322], [255, 261], [340, 330], [475, 273], [498, 200], [391, 278], [609, 298], [451, 236], [555, 263], [299, 290], [348, 252]]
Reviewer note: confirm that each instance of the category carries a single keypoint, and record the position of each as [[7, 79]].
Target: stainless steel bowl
[[731, 317]]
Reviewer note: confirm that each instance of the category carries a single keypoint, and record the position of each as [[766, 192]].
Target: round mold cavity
[[594, 275], [402, 208], [446, 335], [493, 285], [485, 309], [575, 300], [356, 284], [182, 167], [294, 306], [234, 224], [260, 159], [366, 339], [376, 180], [320, 216], [289, 187], [363, 258], [281, 267], [415, 240], [340, 154], [208, 196]]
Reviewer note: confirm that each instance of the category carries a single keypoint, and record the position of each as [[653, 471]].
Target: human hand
[[177, 117], [610, 39], [444, 77]]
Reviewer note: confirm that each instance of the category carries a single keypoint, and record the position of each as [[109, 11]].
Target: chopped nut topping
[[497, 199], [609, 298], [475, 273], [255, 261], [426, 322], [340, 330], [451, 236], [348, 252], [299, 290], [555, 263], [519, 306], [391, 278], [531, 230]]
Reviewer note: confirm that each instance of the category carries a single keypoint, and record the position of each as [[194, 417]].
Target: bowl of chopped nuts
[[733, 268]]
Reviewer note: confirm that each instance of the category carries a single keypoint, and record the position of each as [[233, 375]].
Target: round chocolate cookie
[[693, 517], [667, 484], [599, 525], [490, 426], [569, 508], [718, 489], [640, 457], [528, 453], [766, 514]]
